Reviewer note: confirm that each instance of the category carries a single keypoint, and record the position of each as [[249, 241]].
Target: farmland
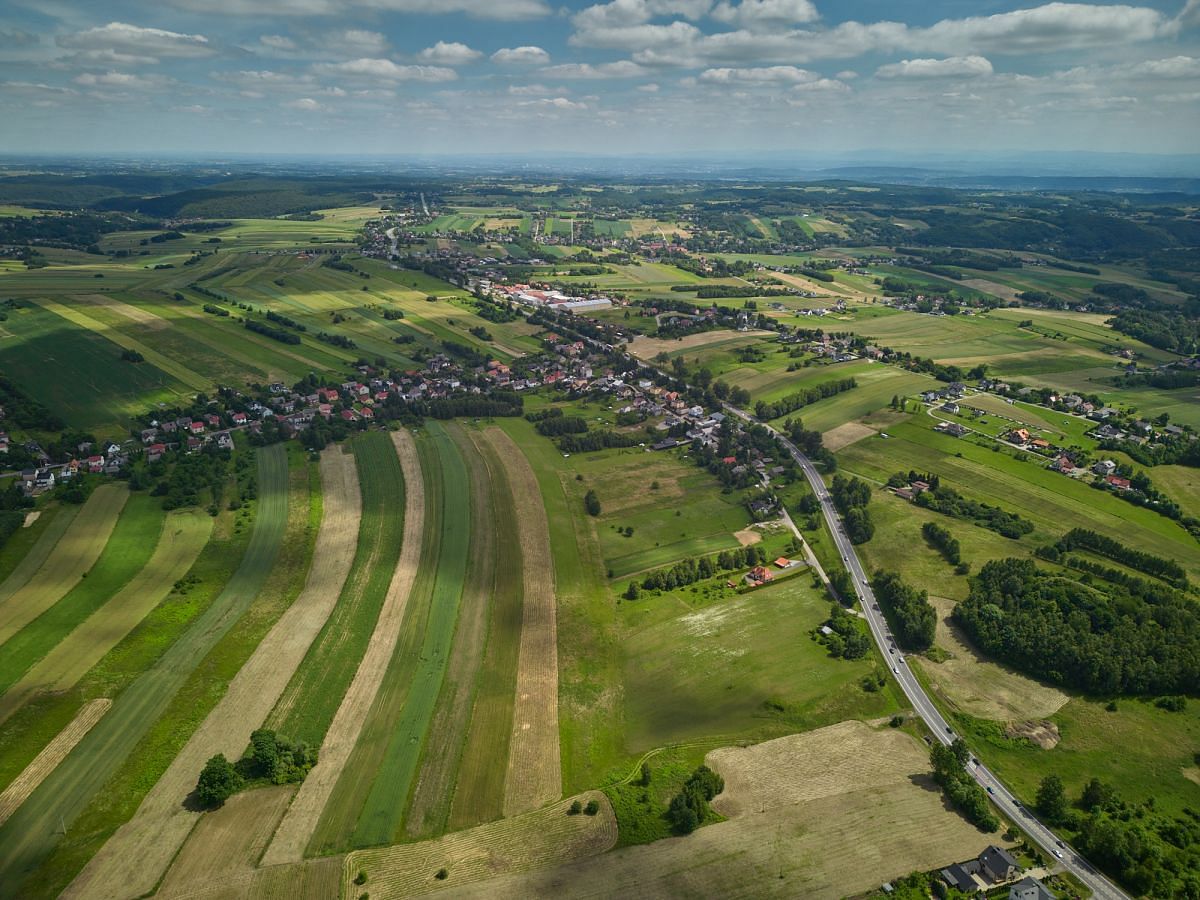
[[470, 616]]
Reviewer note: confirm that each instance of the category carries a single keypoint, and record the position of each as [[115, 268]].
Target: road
[[1012, 809]]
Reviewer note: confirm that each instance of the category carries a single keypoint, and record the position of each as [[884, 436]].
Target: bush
[[592, 808], [361, 877], [218, 782], [576, 808]]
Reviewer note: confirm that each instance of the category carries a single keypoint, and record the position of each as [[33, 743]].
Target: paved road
[[1000, 795]]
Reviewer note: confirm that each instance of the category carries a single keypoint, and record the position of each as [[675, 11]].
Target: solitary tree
[[591, 503], [1052, 798], [218, 782]]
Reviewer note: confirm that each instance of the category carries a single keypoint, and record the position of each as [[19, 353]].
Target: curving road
[[1012, 809]]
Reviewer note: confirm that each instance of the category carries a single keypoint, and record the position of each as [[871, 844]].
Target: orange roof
[[783, 562]]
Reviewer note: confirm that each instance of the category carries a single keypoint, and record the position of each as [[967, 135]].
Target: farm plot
[[52, 754], [125, 553], [445, 746], [138, 854], [806, 818], [300, 822], [535, 839], [478, 794], [25, 551], [184, 534], [74, 554], [647, 348], [30, 834], [534, 768], [396, 732]]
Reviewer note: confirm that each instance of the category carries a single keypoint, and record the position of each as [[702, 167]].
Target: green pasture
[[738, 667], [25, 551], [33, 852], [1054, 503], [127, 551]]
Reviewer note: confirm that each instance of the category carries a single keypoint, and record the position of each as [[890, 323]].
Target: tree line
[[1147, 563], [789, 404], [691, 570], [913, 618], [851, 496], [950, 771], [950, 502]]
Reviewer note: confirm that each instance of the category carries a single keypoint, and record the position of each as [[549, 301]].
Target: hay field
[[25, 551], [74, 554], [534, 767], [826, 814], [472, 858], [647, 348], [971, 683], [300, 821], [184, 534], [52, 754], [134, 858], [844, 435]]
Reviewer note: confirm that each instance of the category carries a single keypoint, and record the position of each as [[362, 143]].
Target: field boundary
[[302, 816], [53, 753]]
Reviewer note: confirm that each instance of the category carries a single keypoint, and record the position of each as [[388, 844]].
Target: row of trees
[[689, 571], [851, 496], [944, 541], [789, 404], [1147, 563], [950, 502], [689, 807], [272, 759], [950, 771], [913, 618], [1101, 638]]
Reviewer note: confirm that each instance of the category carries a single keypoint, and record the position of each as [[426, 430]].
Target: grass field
[[29, 837], [773, 677]]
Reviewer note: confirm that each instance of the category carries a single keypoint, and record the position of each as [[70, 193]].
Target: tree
[[218, 782], [1052, 798], [632, 592], [591, 503], [1096, 794]]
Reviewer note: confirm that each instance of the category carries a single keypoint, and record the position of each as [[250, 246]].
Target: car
[[949, 730], [892, 650], [1058, 853], [1060, 843], [864, 581], [899, 659], [975, 762], [989, 790]]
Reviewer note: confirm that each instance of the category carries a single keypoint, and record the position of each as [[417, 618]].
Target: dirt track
[[137, 855], [300, 821], [53, 753], [534, 764]]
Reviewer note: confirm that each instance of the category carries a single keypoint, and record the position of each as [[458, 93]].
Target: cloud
[[624, 13], [650, 88], [449, 54], [533, 90], [553, 103], [765, 13], [277, 42], [479, 9], [118, 41], [1175, 67], [15, 39], [386, 70], [304, 104], [951, 67], [763, 75], [623, 68], [122, 80], [355, 42], [521, 56]]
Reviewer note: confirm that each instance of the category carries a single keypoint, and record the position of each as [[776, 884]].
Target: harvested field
[[973, 684], [845, 435], [539, 838], [534, 766], [54, 753], [128, 310], [184, 534], [227, 842], [137, 855], [479, 791], [1044, 733], [73, 555], [435, 780], [870, 813], [647, 348], [300, 821], [31, 560]]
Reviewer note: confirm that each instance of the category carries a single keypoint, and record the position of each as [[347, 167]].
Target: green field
[[29, 836]]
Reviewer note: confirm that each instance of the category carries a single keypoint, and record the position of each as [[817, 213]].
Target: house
[[239, 418], [950, 407], [1018, 436], [759, 575], [1104, 467], [349, 415], [212, 420], [1029, 888], [1121, 484], [155, 452], [196, 427], [1039, 444], [959, 876], [95, 464], [194, 443], [918, 487], [998, 864], [783, 563]]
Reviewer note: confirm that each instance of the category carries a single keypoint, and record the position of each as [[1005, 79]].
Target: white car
[[1058, 853], [899, 659], [894, 669]]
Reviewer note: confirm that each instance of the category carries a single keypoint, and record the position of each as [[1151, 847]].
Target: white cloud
[[533, 90], [951, 67], [521, 56], [387, 70], [449, 54], [1175, 67], [130, 43], [762, 75], [14, 38], [554, 103], [356, 42], [624, 13], [305, 104], [122, 80], [766, 13], [650, 88], [479, 9], [277, 42], [623, 68]]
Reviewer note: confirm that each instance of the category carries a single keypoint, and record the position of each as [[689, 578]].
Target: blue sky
[[622, 77]]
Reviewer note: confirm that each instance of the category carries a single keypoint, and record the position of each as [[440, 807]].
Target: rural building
[[993, 866], [1030, 888], [1104, 467], [998, 864], [759, 575]]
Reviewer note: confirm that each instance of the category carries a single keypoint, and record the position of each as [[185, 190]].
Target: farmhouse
[[759, 575], [1029, 888], [994, 865]]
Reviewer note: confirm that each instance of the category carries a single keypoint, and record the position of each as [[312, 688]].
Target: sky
[[624, 77]]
